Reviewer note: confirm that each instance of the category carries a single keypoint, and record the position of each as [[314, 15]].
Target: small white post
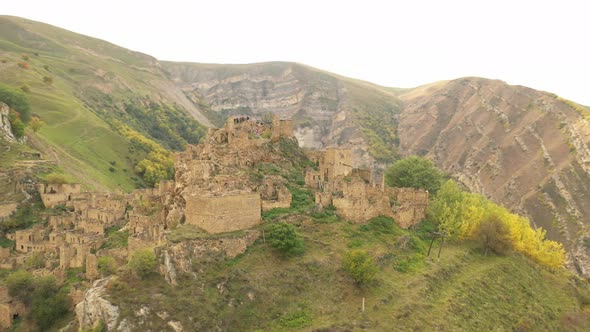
[[363, 307]]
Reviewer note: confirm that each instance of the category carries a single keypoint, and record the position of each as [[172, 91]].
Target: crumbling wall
[[219, 214], [9, 309], [335, 163], [56, 194]]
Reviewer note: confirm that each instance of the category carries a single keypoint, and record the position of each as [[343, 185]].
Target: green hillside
[[463, 290], [79, 86]]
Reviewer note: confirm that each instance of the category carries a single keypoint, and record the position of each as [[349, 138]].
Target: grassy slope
[[260, 290], [90, 77], [463, 290]]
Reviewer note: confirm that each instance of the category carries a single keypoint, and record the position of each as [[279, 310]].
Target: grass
[[462, 290]]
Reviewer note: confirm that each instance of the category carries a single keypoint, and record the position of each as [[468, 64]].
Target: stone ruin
[[359, 194], [215, 189], [213, 180]]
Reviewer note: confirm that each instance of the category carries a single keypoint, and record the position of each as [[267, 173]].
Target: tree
[[36, 124], [414, 172], [20, 285], [494, 235], [285, 238], [361, 267], [143, 262]]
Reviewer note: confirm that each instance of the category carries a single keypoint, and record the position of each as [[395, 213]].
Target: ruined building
[[359, 194], [215, 180]]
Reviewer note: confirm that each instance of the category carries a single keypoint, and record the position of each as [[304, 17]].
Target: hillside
[[523, 148], [79, 86]]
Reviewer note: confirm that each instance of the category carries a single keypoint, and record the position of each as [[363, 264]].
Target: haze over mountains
[[526, 149]]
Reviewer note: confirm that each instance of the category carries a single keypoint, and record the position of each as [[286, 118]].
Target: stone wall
[[218, 214], [335, 163], [56, 194], [9, 309]]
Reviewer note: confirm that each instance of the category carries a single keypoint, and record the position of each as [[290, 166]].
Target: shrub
[[20, 285], [23, 65], [381, 225], [143, 262], [55, 178], [106, 265], [24, 57], [25, 88], [361, 267], [36, 124], [36, 260], [414, 172], [48, 303], [494, 235], [285, 238], [48, 80]]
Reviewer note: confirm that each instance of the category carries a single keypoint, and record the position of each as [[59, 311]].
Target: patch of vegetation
[[189, 232], [361, 267], [116, 239], [459, 214], [143, 262], [414, 172], [285, 238], [6, 243], [47, 302], [327, 215], [26, 215]]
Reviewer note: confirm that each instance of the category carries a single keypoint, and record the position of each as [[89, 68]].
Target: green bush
[[381, 225], [284, 237], [414, 172], [106, 265], [361, 267], [143, 262], [116, 239], [17, 101], [20, 285]]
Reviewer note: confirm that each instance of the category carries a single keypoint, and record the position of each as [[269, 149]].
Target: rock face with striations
[[5, 128], [322, 105], [95, 308], [526, 149]]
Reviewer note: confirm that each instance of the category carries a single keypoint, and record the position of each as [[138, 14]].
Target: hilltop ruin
[[216, 189]]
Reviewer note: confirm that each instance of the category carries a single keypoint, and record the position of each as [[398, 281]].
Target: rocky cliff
[[5, 128], [326, 109], [526, 149]]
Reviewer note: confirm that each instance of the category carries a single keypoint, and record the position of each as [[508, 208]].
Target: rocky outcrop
[[525, 149], [95, 308], [191, 256], [5, 128]]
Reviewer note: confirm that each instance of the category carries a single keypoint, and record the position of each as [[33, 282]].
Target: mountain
[[523, 148]]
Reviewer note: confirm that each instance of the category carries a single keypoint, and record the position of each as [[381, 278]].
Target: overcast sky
[[541, 44]]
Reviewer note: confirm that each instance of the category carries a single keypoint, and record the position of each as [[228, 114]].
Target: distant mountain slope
[[524, 148], [328, 109]]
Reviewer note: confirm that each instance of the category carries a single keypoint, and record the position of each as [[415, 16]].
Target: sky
[[541, 44]]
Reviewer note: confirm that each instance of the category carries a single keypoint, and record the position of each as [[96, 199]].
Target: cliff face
[[322, 105], [5, 128], [523, 148]]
